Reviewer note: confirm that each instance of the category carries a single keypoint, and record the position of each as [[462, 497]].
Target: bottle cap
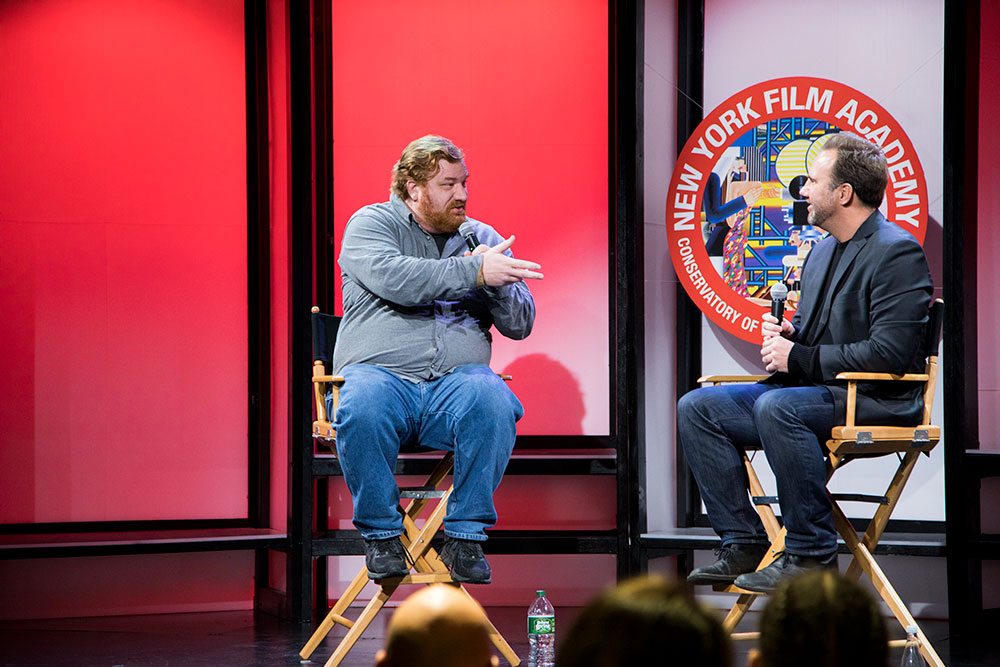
[[911, 629], [540, 594]]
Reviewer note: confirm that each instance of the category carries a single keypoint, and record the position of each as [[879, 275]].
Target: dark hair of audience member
[[824, 620], [645, 621]]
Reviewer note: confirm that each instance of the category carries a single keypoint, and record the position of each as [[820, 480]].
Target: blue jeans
[[470, 411], [791, 423]]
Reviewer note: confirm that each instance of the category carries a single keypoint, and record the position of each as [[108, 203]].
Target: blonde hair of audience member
[[438, 626], [822, 619], [645, 621]]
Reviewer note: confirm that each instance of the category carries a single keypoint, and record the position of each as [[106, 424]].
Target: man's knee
[[772, 405], [694, 405], [367, 395], [484, 391]]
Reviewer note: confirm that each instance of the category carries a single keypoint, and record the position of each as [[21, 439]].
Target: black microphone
[[779, 292], [468, 232]]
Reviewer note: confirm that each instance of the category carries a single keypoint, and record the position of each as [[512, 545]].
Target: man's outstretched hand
[[498, 269]]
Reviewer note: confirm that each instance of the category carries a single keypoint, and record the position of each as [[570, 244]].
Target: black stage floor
[[242, 638]]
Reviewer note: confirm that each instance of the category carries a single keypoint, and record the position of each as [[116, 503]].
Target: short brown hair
[[645, 621], [860, 163], [419, 162], [821, 618]]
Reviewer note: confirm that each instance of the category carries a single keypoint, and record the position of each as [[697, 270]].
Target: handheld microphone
[[779, 292], [468, 232]]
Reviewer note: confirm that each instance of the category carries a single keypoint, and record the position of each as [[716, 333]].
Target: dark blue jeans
[[470, 411], [791, 423]]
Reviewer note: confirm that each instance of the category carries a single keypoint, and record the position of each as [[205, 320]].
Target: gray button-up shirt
[[415, 311]]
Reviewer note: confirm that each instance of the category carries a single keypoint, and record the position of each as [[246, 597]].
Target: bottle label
[[541, 625]]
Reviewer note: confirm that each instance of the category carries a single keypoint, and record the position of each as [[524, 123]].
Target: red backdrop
[[123, 272], [522, 87]]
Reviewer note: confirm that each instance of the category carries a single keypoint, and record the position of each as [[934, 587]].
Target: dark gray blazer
[[871, 319]]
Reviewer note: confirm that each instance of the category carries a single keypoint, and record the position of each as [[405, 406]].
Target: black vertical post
[[690, 100], [323, 242], [627, 341], [258, 280], [258, 263], [323, 152], [300, 244], [960, 372]]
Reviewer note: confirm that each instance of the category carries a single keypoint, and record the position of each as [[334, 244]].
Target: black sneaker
[[466, 561], [734, 560], [386, 558], [787, 566]]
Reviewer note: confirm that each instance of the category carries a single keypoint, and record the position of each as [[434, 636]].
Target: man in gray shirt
[[414, 349]]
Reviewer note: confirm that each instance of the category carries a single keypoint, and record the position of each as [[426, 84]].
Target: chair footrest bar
[[422, 578], [733, 588], [861, 498], [342, 620], [420, 492], [745, 636]]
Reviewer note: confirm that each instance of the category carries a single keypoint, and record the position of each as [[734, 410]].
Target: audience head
[[645, 621], [822, 619], [438, 626]]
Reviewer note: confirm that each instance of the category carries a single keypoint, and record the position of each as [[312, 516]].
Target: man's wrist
[[803, 360]]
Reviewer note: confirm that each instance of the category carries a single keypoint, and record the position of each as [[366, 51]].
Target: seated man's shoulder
[[378, 211], [891, 233]]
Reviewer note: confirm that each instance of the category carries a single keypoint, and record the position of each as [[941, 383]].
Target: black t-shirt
[[441, 239]]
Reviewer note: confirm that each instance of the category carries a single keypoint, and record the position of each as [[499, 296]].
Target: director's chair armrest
[[335, 379], [721, 379], [321, 383], [853, 377], [907, 377]]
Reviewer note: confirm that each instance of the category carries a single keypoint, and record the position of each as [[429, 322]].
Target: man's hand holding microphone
[[776, 331], [498, 269]]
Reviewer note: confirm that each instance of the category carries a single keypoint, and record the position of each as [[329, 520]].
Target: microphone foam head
[[466, 229], [779, 292]]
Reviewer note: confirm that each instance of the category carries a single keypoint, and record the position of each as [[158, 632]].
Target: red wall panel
[[522, 87], [123, 279]]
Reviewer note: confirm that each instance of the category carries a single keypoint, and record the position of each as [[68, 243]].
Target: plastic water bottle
[[541, 632], [911, 652]]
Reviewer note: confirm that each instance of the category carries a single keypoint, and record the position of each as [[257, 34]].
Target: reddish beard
[[446, 220]]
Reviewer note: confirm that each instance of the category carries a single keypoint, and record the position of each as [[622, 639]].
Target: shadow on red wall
[[541, 380]]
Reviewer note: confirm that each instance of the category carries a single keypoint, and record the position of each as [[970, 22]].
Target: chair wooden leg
[[418, 542], [429, 569], [426, 559], [881, 518], [746, 598], [765, 512], [866, 562], [774, 532], [505, 650], [336, 614], [739, 610], [378, 601]]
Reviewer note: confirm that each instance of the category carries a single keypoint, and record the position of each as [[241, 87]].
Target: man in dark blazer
[[866, 289]]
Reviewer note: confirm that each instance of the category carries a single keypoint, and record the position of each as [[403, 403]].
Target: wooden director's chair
[[426, 562], [847, 443]]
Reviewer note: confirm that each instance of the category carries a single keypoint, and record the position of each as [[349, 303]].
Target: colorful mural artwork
[[736, 223]]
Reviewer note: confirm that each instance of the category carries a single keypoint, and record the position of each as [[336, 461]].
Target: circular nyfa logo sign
[[736, 224]]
